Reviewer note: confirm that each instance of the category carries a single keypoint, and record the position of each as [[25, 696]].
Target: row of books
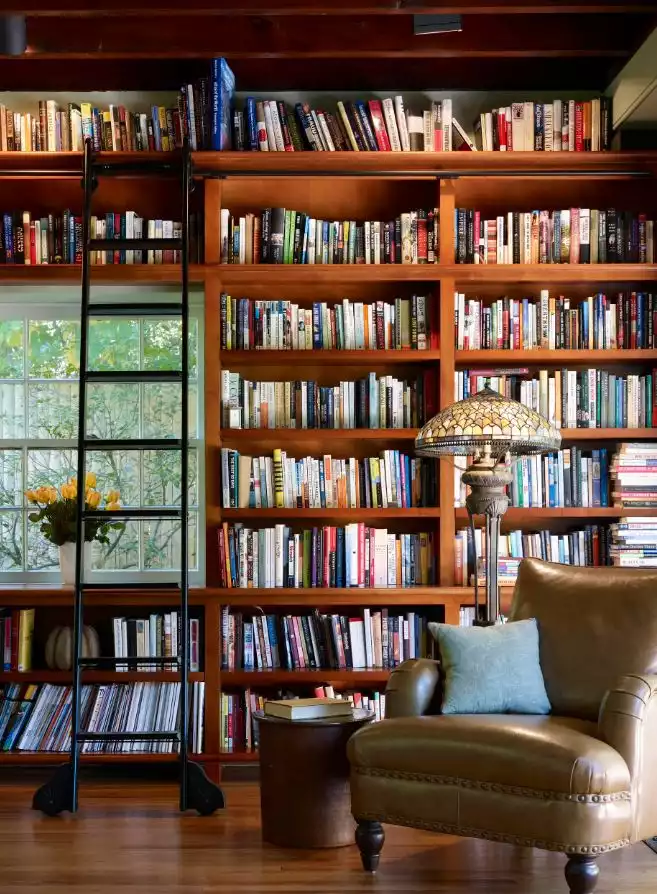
[[55, 239], [634, 475], [355, 555], [569, 398], [281, 325], [567, 236], [157, 636], [374, 126], [634, 543], [283, 236], [373, 402], [557, 126], [314, 641], [16, 631], [202, 113], [586, 547], [553, 323], [38, 717], [239, 729], [391, 480]]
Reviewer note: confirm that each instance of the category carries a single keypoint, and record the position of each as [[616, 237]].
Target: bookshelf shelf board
[[607, 434], [529, 516], [308, 274], [547, 274], [327, 435], [334, 596], [238, 757], [100, 273], [35, 595], [282, 677], [338, 515], [40, 758], [328, 358], [66, 677], [553, 358]]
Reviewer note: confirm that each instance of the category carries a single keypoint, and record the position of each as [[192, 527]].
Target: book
[[307, 708], [222, 87]]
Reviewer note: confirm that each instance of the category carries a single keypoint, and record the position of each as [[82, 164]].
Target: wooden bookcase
[[337, 185]]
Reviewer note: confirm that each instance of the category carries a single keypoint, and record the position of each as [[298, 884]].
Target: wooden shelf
[[90, 676], [100, 273], [306, 274], [531, 516], [328, 435], [40, 758], [327, 358], [607, 434], [337, 515], [238, 757], [33, 595], [547, 274], [334, 596], [296, 677], [552, 358]]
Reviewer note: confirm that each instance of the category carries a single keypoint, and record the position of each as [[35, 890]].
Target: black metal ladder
[[196, 789]]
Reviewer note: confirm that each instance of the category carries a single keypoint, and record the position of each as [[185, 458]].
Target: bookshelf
[[355, 185]]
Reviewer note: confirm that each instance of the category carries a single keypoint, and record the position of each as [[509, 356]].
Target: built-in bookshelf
[[348, 345]]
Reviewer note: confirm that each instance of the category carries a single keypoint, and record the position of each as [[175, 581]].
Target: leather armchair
[[582, 780]]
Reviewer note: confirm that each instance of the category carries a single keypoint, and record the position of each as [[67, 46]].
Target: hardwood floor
[[130, 837]]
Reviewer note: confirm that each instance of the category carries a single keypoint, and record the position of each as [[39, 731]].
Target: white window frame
[[56, 302]]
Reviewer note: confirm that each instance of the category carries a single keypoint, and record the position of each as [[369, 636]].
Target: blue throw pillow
[[491, 670]]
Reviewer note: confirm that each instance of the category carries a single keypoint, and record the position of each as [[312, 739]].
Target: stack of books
[[558, 126], [634, 475], [155, 636], [597, 322], [391, 480], [634, 543], [373, 402], [568, 236], [282, 236], [569, 398], [16, 630], [355, 555], [406, 323], [315, 641]]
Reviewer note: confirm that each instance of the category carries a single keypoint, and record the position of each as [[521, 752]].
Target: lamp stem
[[492, 554]]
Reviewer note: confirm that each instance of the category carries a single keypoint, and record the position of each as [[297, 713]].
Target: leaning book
[[308, 708]]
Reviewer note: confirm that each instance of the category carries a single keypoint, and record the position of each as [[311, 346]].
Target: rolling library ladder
[[196, 790]]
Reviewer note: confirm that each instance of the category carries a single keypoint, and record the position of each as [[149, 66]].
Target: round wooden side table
[[304, 780]]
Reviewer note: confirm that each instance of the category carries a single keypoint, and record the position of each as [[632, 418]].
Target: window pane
[[50, 467], [11, 349], [11, 478], [162, 411], [53, 410], [162, 345], [161, 544], [41, 554], [117, 470], [162, 478], [54, 349], [113, 411], [12, 410], [11, 541], [122, 552], [113, 344]]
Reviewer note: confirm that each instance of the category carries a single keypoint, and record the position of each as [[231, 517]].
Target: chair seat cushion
[[547, 755]]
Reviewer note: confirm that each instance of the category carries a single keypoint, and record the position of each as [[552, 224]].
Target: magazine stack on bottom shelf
[[634, 486]]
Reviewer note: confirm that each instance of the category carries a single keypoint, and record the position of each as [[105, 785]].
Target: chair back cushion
[[595, 625]]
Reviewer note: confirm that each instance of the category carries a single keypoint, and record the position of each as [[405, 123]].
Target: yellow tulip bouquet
[[57, 511]]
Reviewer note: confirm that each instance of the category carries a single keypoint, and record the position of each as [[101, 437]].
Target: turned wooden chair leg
[[369, 838], [581, 874]]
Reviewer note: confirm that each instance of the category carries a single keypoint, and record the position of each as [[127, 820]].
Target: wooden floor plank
[[129, 837]]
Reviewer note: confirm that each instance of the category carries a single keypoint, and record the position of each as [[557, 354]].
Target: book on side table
[[308, 708]]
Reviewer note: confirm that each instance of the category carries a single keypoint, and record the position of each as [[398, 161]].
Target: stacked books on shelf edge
[[559, 126], [16, 632], [380, 638], [281, 325], [38, 717], [282, 236], [571, 398], [392, 480], [554, 323], [634, 542], [155, 636], [567, 236], [634, 476], [355, 555], [372, 402]]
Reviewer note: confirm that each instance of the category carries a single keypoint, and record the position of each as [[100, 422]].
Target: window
[[39, 368]]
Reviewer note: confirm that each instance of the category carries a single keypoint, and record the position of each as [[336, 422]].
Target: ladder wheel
[[56, 795], [203, 795]]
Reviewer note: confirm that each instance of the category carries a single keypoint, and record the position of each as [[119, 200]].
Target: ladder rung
[[128, 737], [142, 375], [106, 663], [140, 585], [135, 310], [135, 244], [132, 513], [133, 444]]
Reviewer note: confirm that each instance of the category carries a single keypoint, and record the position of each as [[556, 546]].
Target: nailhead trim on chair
[[492, 786], [466, 832]]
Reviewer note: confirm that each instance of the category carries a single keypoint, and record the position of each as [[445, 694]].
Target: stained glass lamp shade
[[489, 427]]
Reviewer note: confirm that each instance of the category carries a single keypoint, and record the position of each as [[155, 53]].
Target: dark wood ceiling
[[325, 45]]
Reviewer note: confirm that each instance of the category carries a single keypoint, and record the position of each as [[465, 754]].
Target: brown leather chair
[[582, 780]]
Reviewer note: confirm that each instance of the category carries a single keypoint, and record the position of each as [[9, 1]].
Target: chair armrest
[[628, 722], [414, 689]]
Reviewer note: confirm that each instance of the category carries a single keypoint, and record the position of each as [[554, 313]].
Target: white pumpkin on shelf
[[59, 647]]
